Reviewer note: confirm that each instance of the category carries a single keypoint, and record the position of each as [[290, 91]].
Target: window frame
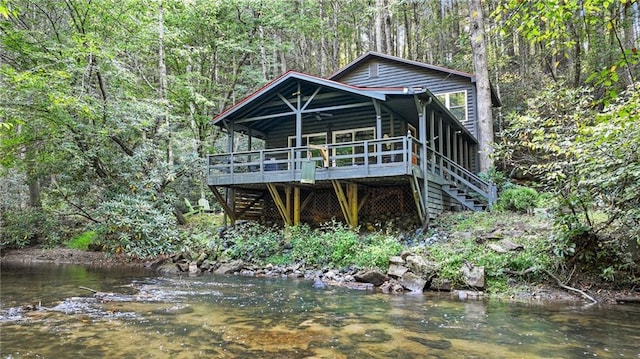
[[447, 103]]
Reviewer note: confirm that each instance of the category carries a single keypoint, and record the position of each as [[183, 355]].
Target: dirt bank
[[64, 255]]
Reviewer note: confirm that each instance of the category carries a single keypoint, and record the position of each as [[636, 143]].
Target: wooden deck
[[289, 178], [351, 160]]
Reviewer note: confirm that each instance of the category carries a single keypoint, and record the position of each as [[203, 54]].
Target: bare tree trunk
[[263, 54], [483, 88], [165, 133], [379, 27]]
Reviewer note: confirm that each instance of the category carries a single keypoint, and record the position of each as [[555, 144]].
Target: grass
[[82, 241]]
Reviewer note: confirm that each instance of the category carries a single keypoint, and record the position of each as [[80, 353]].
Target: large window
[[310, 139], [347, 136], [456, 102]]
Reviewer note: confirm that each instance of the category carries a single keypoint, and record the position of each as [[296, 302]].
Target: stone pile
[[409, 272]]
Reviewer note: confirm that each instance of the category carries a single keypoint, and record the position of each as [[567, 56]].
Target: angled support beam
[[417, 196], [223, 203], [279, 204], [348, 202]]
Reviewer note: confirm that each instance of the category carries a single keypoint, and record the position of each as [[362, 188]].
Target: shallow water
[[242, 317]]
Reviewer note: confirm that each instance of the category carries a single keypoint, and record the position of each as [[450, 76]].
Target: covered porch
[[301, 134]]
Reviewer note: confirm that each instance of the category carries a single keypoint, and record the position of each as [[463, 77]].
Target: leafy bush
[[518, 199], [252, 242], [29, 227], [377, 248], [137, 226]]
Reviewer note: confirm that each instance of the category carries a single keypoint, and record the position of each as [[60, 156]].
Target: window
[[351, 151], [373, 70], [310, 139], [456, 102]]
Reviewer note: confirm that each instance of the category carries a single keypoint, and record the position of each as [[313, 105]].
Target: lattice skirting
[[383, 205]]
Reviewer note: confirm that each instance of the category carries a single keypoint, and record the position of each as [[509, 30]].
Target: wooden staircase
[[466, 199], [249, 204], [464, 186]]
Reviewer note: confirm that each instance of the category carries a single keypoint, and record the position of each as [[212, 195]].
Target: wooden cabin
[[381, 139]]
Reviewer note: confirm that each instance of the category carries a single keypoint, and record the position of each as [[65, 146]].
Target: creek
[[211, 316]]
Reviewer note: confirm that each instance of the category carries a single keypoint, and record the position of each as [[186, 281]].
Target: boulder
[[472, 275], [396, 260], [207, 265], [371, 276], [230, 267], [412, 282], [396, 270], [418, 265], [391, 287], [440, 284]]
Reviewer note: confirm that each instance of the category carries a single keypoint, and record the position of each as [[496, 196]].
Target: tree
[[483, 87]]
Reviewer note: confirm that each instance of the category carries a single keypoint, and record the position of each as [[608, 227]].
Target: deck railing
[[358, 159], [363, 156], [462, 177]]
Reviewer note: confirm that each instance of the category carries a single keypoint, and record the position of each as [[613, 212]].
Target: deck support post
[[282, 208], [348, 202], [296, 205]]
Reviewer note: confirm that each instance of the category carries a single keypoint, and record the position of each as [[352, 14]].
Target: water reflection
[[243, 317]]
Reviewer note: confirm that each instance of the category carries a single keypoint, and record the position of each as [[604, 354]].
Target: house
[[382, 139]]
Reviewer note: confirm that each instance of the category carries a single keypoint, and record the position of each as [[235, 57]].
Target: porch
[[289, 177]]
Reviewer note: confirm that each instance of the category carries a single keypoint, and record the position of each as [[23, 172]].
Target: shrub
[[137, 226], [252, 242], [518, 199], [29, 227]]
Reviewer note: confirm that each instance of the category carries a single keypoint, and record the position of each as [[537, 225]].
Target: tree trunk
[[483, 88], [164, 133], [379, 30]]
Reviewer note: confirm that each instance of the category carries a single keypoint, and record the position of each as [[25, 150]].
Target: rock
[[418, 265], [507, 244], [440, 284], [371, 276], [167, 267], [496, 248], [441, 344], [193, 268], [330, 275], [230, 267], [396, 270], [318, 284], [391, 287], [183, 266], [176, 309], [412, 282], [396, 260], [468, 294], [207, 265], [473, 276], [201, 258]]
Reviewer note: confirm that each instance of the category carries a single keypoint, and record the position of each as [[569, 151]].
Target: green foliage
[[82, 241], [518, 199], [535, 258], [29, 227], [252, 242], [137, 227]]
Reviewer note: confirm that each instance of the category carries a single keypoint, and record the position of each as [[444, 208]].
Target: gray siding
[[393, 74]]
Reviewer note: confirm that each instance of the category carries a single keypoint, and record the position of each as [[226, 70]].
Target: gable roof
[[372, 54], [340, 73], [290, 77]]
